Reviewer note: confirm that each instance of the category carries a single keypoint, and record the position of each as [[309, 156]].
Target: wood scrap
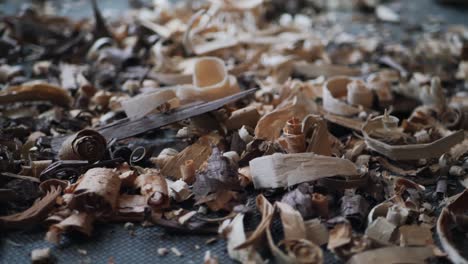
[[97, 191], [144, 104], [313, 70], [282, 170], [247, 116], [412, 151], [153, 187], [198, 152], [36, 92], [78, 221], [316, 232], [37, 212], [87, 144], [394, 255], [446, 218], [333, 90]]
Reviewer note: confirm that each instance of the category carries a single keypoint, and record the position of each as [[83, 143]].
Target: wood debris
[[96, 191], [84, 145], [413, 235], [144, 104], [198, 152], [455, 210], [316, 232], [163, 251], [33, 215], [153, 187], [36, 91], [381, 230], [282, 170], [236, 236], [176, 252], [410, 151], [394, 255], [280, 126], [41, 256]]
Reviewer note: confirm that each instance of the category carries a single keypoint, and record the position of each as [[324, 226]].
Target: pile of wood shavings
[[201, 115]]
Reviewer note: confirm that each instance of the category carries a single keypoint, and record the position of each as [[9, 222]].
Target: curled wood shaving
[[188, 35], [298, 249], [444, 227], [317, 135], [340, 235], [412, 151], [296, 105], [35, 214], [153, 187], [334, 89], [235, 237], [198, 152], [293, 224], [86, 144], [211, 81], [379, 210], [78, 221], [301, 251], [36, 91], [257, 237], [97, 191], [359, 94], [195, 43], [294, 139]]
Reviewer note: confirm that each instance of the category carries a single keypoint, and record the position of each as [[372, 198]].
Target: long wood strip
[[126, 128]]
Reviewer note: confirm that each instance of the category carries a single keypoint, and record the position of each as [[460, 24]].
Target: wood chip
[[198, 152], [282, 170], [163, 251], [316, 232], [381, 230], [40, 256], [176, 252], [394, 255], [413, 235]]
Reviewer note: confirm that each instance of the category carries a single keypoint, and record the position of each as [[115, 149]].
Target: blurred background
[[413, 12]]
